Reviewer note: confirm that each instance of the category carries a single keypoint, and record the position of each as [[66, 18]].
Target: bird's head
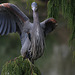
[[34, 6]]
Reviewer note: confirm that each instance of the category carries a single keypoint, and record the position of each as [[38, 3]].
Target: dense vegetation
[[67, 8], [19, 66]]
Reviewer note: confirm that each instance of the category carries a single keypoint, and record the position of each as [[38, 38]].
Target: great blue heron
[[12, 19]]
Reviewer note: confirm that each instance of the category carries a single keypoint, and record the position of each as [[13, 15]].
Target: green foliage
[[68, 11], [10, 46], [25, 3], [53, 8], [20, 66], [28, 2]]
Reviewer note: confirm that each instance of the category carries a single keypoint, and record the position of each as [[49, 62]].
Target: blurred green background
[[58, 56]]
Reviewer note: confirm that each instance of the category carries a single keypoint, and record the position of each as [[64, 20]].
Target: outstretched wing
[[48, 25], [12, 19]]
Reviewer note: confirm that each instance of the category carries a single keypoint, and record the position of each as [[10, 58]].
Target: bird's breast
[[37, 42], [37, 32]]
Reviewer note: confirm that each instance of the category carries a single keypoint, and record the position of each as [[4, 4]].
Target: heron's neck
[[35, 17]]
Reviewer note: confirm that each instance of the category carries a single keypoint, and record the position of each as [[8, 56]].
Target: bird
[[32, 35]]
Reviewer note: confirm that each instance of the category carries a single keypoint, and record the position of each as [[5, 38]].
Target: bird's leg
[[28, 55]]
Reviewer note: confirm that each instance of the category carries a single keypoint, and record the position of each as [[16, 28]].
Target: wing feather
[[2, 25], [8, 26], [13, 25], [0, 20], [11, 19], [5, 26], [48, 25]]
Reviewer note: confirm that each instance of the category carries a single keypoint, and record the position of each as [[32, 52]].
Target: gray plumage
[[32, 35]]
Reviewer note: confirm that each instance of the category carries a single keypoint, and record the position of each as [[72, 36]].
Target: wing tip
[[16, 10], [5, 5], [52, 20]]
